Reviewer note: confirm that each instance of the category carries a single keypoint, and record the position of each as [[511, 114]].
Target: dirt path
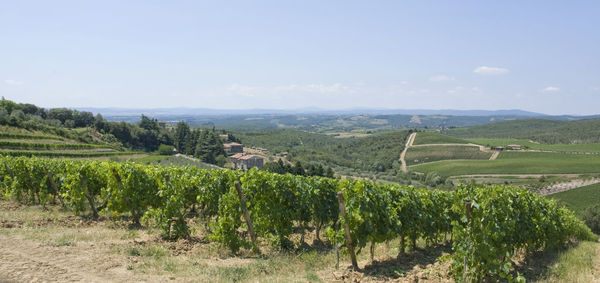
[[409, 143], [566, 186], [494, 155], [23, 260]]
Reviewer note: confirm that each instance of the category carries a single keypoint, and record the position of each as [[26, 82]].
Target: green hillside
[[538, 130], [579, 199], [15, 141], [376, 152]]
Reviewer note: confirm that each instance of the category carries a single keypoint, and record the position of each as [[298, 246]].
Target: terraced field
[[19, 143]]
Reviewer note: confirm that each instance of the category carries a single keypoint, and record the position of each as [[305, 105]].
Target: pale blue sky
[[540, 56]]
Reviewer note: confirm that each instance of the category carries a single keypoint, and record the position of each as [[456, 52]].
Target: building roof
[[232, 144], [242, 156], [250, 156], [237, 155]]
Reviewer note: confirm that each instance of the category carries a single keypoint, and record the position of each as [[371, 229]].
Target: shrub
[[591, 217], [164, 149]]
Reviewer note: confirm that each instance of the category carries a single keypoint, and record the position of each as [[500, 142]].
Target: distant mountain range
[[319, 120], [312, 111]]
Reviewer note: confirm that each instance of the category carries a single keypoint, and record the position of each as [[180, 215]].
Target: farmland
[[284, 209], [585, 147], [579, 199], [435, 138], [424, 154], [516, 163], [544, 131]]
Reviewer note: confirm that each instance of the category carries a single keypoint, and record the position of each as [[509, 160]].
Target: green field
[[579, 199], [516, 163], [435, 138], [424, 154], [590, 147]]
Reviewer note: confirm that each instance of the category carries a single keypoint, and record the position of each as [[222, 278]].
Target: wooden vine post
[[12, 176], [53, 186], [238, 187], [173, 219], [89, 197], [468, 215], [347, 230]]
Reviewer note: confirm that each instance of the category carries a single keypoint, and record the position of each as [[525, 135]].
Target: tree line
[[297, 169], [146, 135]]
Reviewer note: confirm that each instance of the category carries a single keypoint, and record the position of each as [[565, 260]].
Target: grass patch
[[152, 159], [155, 252], [175, 161], [435, 138], [424, 154], [575, 264]]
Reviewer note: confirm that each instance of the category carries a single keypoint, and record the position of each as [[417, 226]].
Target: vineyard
[[28, 144], [243, 210]]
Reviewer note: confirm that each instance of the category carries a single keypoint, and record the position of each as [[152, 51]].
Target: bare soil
[[52, 245]]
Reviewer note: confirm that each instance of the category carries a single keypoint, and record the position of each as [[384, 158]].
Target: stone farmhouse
[[246, 161], [233, 147]]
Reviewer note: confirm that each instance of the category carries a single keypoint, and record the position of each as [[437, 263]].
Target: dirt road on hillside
[[409, 143], [494, 155]]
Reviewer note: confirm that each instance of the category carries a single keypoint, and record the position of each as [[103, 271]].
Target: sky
[[541, 56]]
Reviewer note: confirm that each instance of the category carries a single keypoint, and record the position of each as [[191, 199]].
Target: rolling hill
[[538, 130]]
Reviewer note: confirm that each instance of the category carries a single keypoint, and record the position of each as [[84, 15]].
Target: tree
[[164, 149], [61, 114], [208, 146], [182, 131], [591, 217], [83, 118], [148, 124], [101, 124], [298, 169]]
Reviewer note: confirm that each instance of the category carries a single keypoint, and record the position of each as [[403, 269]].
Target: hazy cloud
[[13, 82], [251, 91], [486, 70], [550, 89], [441, 78], [462, 89]]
